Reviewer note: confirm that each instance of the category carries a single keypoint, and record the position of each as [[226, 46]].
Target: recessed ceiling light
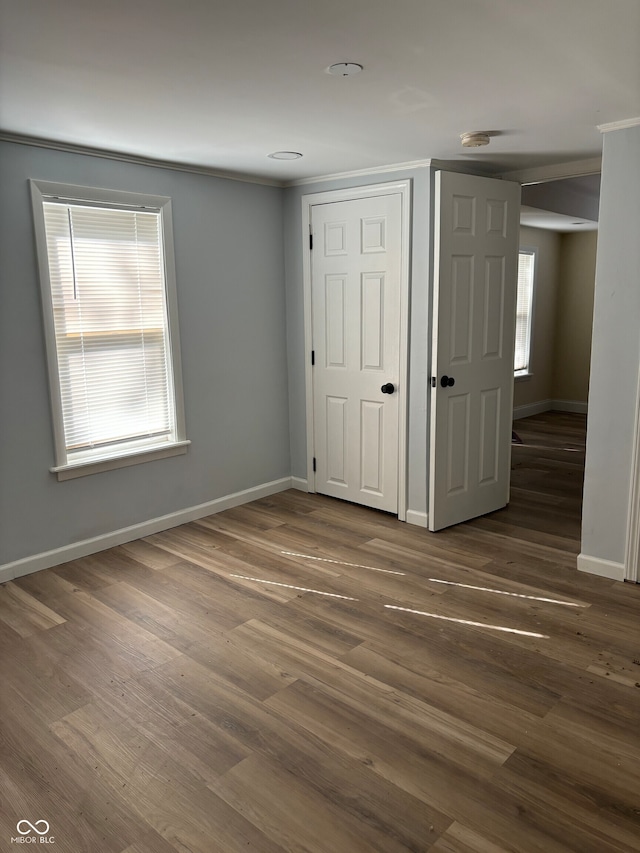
[[577, 223], [285, 155], [344, 69], [475, 139]]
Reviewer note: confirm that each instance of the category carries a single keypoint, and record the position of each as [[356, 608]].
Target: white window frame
[[134, 452], [526, 372]]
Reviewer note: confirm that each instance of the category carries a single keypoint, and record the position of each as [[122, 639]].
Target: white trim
[[81, 192], [578, 406], [402, 188], [171, 296], [193, 169], [299, 484], [449, 165], [123, 157], [530, 409], [66, 467], [349, 194], [55, 398], [420, 519], [543, 174], [359, 173], [135, 457], [308, 340], [47, 559], [619, 125], [597, 566], [632, 545], [403, 419]]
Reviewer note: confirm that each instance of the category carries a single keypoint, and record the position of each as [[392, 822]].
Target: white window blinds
[[524, 302], [106, 271]]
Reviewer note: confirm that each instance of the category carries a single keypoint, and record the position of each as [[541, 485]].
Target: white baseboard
[[577, 406], [597, 566], [420, 519], [300, 484], [531, 409], [47, 559]]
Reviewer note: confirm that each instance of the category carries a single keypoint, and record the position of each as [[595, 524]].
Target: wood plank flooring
[[304, 675]]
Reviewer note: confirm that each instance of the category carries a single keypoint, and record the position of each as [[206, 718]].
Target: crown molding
[[123, 157], [358, 173], [556, 172], [409, 165], [524, 176], [619, 125], [464, 167]]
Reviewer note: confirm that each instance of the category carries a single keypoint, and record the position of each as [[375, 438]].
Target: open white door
[[476, 260], [356, 277]]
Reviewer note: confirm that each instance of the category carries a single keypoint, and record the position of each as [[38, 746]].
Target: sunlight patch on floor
[[341, 563], [504, 592], [299, 588], [469, 622]]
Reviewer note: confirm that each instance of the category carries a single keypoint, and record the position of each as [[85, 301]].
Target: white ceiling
[[567, 205], [222, 83], [536, 218]]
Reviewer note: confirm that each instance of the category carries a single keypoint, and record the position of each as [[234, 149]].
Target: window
[[524, 312], [108, 291]]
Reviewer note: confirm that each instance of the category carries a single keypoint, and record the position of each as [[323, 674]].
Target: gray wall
[[231, 297], [538, 387], [615, 355], [562, 319], [419, 354], [574, 316], [564, 197]]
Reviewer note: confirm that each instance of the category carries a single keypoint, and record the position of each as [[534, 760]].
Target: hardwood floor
[[300, 674]]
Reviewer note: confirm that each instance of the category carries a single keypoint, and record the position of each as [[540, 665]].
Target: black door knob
[[388, 388], [447, 381]]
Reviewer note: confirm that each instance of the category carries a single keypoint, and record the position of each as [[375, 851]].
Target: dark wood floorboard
[[257, 681]]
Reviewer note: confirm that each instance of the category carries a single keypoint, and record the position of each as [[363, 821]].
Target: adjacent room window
[[108, 289], [524, 312]]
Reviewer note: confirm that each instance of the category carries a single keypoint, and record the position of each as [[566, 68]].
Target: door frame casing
[[632, 545], [402, 188]]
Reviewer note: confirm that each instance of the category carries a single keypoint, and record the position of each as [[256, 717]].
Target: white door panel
[[476, 252], [356, 266]]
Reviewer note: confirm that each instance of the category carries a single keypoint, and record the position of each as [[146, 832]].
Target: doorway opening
[[559, 221], [547, 475]]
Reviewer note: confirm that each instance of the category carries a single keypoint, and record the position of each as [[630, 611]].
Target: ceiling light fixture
[[475, 139], [344, 69], [285, 155]]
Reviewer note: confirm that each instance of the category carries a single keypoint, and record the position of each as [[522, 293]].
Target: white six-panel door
[[476, 256], [355, 302]]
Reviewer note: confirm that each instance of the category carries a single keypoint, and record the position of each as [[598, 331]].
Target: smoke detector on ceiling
[[285, 155], [475, 139], [344, 69]]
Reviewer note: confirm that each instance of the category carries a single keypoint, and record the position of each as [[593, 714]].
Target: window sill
[[96, 465], [523, 376]]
